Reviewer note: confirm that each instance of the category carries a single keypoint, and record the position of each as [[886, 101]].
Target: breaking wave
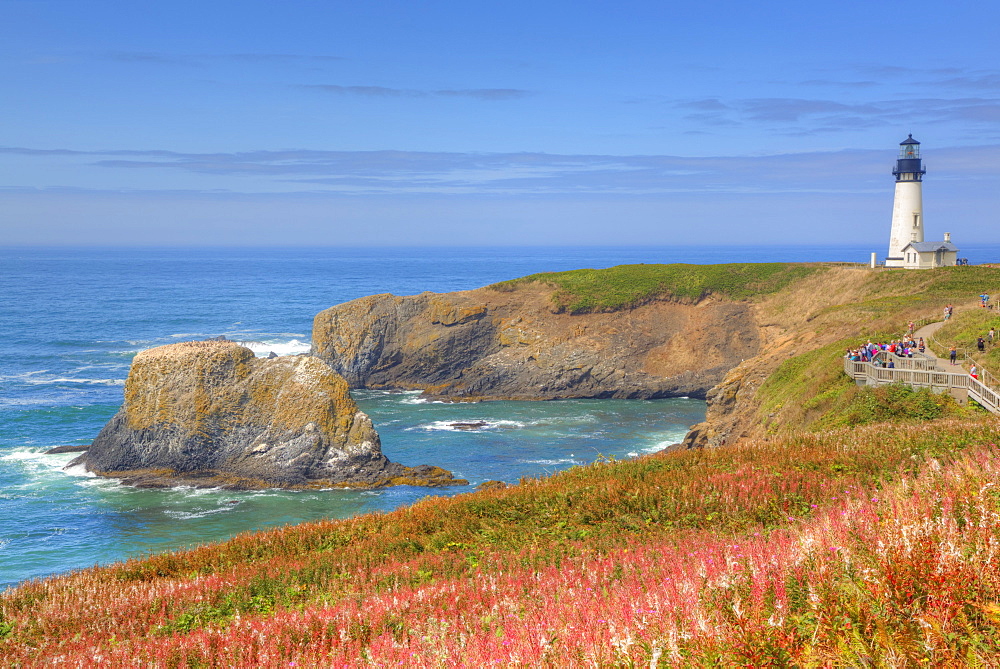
[[262, 349], [470, 425]]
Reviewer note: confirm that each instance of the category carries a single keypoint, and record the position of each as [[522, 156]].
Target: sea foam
[[261, 343], [190, 515], [43, 378], [554, 462], [262, 349], [469, 425]]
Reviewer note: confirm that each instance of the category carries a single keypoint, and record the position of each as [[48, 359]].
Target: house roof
[[930, 247]]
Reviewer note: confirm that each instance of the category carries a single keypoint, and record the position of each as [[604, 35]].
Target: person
[[981, 344], [974, 372], [912, 326], [891, 364], [921, 345], [992, 334], [953, 353]]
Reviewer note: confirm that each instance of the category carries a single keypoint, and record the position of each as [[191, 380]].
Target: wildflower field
[[874, 546]]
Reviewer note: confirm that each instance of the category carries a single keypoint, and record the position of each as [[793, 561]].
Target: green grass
[[893, 402], [624, 286], [804, 387]]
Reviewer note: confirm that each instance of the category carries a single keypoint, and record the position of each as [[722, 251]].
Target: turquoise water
[[72, 319]]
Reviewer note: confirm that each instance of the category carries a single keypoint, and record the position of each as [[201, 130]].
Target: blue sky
[[468, 123]]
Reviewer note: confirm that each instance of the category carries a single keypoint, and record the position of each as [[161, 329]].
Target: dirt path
[[927, 332]]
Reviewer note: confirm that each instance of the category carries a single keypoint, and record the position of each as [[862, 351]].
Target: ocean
[[71, 319]]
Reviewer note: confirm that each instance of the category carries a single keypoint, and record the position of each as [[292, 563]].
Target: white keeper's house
[[907, 248]]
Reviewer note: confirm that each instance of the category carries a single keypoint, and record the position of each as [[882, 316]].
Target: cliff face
[[832, 304], [492, 344], [211, 414]]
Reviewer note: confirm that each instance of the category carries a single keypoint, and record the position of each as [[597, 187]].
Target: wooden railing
[[918, 361], [921, 372], [966, 357]]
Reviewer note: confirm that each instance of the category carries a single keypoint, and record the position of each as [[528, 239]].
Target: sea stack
[[211, 414]]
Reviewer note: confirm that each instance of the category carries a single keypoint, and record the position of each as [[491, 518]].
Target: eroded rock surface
[[210, 414], [491, 344]]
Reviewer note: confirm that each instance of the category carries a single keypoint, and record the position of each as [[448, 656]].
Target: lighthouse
[[907, 248], [908, 203]]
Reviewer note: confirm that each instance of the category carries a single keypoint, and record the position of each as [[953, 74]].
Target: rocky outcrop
[[515, 344], [66, 449], [731, 404], [210, 414]]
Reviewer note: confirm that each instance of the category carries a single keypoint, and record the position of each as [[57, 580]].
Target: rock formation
[[210, 414], [515, 344]]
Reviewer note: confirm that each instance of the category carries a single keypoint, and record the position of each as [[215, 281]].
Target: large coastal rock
[[515, 344], [210, 414]]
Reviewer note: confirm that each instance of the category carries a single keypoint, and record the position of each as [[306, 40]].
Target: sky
[[311, 122]]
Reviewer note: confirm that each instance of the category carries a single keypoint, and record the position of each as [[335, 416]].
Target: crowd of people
[[904, 348]]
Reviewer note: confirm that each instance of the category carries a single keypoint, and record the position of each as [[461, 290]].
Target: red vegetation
[[872, 546]]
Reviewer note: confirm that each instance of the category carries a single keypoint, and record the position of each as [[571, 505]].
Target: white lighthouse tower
[[908, 203]]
